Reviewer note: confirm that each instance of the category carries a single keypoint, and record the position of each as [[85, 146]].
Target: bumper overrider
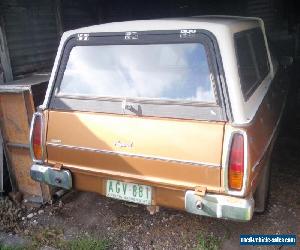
[[212, 205], [45, 174], [220, 206]]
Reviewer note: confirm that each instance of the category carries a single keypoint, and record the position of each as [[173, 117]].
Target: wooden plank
[[16, 110], [14, 118], [21, 163]]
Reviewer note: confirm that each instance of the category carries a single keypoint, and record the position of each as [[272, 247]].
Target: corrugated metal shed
[[32, 34], [265, 9], [78, 13]]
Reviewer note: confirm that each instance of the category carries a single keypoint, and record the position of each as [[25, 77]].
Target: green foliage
[[47, 237], [87, 243], [208, 242], [55, 238], [2, 247]]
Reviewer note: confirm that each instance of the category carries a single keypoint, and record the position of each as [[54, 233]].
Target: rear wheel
[[261, 194]]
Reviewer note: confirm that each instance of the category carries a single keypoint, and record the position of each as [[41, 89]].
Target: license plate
[[129, 192]]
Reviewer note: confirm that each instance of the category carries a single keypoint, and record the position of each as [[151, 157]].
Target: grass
[[2, 247], [208, 242], [55, 238], [87, 243], [47, 237], [83, 243]]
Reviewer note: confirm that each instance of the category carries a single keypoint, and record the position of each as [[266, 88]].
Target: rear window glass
[[252, 59], [151, 71]]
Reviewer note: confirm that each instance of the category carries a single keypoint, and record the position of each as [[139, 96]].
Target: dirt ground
[[129, 226]]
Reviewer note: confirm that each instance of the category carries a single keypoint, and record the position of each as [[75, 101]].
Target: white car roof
[[222, 27], [233, 23]]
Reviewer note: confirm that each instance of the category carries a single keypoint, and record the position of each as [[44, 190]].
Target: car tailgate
[[171, 152]]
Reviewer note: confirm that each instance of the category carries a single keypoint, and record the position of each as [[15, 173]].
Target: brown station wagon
[[180, 113]]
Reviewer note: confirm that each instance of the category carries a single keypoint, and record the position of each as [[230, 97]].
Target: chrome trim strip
[[148, 157], [13, 89], [17, 145], [139, 100], [42, 135], [246, 167]]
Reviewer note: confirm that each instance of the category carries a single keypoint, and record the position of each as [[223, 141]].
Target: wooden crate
[[18, 102]]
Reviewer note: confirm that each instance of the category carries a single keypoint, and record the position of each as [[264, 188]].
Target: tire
[[261, 195]]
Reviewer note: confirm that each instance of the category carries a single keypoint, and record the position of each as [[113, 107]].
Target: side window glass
[[260, 50], [252, 59], [246, 63]]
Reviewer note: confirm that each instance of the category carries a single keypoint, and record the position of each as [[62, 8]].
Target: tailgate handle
[[131, 108], [127, 106]]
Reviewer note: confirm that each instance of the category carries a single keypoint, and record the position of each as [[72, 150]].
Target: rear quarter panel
[[262, 131]]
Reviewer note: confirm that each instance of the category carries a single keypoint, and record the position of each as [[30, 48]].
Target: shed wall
[[31, 33]]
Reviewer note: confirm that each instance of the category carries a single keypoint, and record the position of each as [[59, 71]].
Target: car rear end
[[142, 117]]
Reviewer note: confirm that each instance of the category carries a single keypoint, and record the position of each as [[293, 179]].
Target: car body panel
[[143, 149]]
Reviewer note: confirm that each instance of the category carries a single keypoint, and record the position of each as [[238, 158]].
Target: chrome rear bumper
[[213, 205], [220, 206], [59, 178]]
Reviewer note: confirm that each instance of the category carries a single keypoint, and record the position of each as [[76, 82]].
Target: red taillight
[[36, 140], [236, 163]]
